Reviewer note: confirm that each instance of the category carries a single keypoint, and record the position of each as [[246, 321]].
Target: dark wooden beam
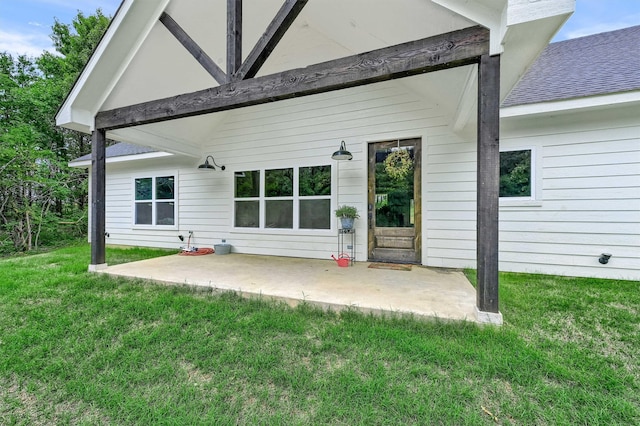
[[488, 182], [457, 48], [270, 39], [203, 59], [98, 221], [234, 37]]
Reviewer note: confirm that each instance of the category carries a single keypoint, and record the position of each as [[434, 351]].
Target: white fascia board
[[571, 104], [521, 11], [122, 159], [75, 119], [64, 116], [111, 69], [155, 14]]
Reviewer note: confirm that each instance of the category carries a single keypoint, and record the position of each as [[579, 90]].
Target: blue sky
[[25, 25]]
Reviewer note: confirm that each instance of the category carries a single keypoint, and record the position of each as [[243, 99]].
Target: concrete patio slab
[[423, 292]]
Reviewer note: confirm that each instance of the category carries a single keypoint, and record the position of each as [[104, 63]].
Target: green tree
[[77, 41], [38, 191], [394, 195], [515, 173]]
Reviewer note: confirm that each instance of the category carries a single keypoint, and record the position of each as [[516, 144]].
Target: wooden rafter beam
[[270, 39], [203, 59], [234, 37], [457, 48]]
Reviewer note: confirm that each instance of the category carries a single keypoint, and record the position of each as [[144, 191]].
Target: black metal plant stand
[[347, 247]]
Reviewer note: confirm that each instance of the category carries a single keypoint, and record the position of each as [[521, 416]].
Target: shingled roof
[[120, 150], [599, 64]]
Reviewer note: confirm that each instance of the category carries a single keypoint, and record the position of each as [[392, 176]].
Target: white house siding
[[587, 203], [120, 202], [449, 202], [305, 132], [300, 132], [590, 197]]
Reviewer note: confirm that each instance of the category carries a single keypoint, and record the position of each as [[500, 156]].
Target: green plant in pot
[[347, 215]]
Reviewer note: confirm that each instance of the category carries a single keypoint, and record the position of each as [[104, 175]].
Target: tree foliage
[[515, 173], [41, 198], [394, 192]]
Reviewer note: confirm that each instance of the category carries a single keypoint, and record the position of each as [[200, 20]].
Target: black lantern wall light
[[342, 153], [210, 166]]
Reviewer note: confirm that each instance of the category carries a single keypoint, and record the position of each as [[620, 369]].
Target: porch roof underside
[[139, 60]]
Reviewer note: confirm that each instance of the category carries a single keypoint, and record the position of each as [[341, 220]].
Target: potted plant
[[347, 215]]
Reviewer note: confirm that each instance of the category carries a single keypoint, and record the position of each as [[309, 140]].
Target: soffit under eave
[[360, 27], [184, 136], [112, 60], [312, 28], [164, 68]]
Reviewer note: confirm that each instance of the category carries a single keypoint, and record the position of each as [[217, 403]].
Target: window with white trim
[[155, 201], [516, 174], [296, 198]]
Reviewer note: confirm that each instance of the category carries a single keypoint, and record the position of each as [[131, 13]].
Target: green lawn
[[80, 348]]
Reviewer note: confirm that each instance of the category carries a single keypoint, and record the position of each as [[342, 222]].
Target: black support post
[[98, 211], [488, 182]]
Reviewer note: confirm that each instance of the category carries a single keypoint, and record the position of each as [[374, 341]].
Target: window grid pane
[[247, 184], [144, 213], [165, 214], [278, 183], [247, 214], [315, 181], [315, 214], [164, 188], [279, 214], [143, 189], [515, 173]]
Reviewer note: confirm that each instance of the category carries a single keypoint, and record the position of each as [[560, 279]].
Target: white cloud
[[30, 44]]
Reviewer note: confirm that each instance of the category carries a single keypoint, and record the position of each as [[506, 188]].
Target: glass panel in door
[[394, 197]]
